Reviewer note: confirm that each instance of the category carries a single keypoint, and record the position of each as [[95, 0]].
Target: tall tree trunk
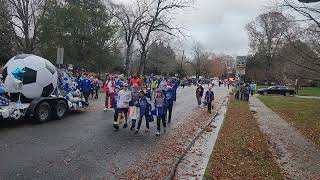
[[142, 65], [127, 63]]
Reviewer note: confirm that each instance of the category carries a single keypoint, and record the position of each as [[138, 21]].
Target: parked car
[[281, 90]]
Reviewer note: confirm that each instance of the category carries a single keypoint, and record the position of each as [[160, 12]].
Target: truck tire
[[60, 109], [287, 94], [43, 112]]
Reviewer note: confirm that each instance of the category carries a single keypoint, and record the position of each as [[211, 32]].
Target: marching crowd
[[130, 100], [149, 98]]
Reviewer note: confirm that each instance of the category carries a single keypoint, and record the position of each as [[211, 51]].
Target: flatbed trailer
[[42, 109]]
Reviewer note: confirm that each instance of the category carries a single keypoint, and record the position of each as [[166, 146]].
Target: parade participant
[[78, 81], [86, 87], [92, 86], [169, 95], [160, 111], [163, 85], [154, 86], [118, 81], [115, 100], [135, 94], [199, 94], [145, 107], [175, 88], [124, 97], [110, 93], [209, 99], [136, 80]]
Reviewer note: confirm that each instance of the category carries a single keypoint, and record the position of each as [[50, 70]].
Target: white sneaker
[[105, 109], [158, 133]]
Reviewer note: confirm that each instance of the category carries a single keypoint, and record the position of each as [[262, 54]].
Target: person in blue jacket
[[209, 98], [169, 95], [145, 107], [175, 88], [86, 87], [160, 111]]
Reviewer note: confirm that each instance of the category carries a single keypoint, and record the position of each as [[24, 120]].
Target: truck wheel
[[265, 93], [43, 112], [60, 109], [287, 94]]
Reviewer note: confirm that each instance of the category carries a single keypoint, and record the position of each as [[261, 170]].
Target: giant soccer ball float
[[39, 80]]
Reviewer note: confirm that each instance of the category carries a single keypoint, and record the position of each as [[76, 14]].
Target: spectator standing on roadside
[[252, 88]]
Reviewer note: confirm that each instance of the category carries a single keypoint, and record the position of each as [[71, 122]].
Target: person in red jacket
[[136, 80]]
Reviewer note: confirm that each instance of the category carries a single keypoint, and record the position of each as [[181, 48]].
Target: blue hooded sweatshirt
[[169, 97]]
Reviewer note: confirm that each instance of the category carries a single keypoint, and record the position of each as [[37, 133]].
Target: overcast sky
[[219, 25]]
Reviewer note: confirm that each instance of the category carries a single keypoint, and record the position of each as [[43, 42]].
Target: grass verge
[[241, 151], [309, 91], [304, 114]]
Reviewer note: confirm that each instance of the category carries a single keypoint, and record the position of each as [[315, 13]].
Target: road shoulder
[[241, 151], [298, 157]]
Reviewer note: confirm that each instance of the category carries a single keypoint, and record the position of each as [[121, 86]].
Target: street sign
[[60, 53]]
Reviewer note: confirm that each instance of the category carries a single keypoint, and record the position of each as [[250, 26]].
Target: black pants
[[140, 121], [209, 106], [170, 114], [115, 116], [159, 118], [96, 93], [86, 97]]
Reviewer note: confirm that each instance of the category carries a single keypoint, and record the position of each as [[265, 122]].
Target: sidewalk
[[298, 158], [309, 97]]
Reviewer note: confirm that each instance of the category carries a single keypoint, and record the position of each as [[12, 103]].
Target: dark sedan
[[281, 90]]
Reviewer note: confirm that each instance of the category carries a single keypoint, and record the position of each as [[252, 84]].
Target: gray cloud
[[219, 25]]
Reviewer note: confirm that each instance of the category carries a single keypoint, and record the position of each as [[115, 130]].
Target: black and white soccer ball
[[40, 78]]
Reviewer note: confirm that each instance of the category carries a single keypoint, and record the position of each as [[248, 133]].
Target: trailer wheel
[[43, 112], [60, 109]]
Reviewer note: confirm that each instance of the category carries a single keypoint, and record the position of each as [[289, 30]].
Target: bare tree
[[159, 19], [131, 20], [267, 35], [23, 19], [200, 60]]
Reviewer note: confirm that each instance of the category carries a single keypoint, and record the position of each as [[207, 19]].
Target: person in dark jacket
[[169, 95], [199, 94], [209, 99], [160, 108], [135, 95], [145, 107]]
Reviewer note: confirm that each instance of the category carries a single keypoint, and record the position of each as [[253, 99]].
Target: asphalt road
[[83, 145]]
